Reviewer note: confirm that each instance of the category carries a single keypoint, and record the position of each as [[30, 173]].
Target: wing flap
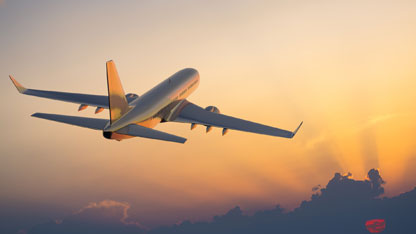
[[88, 99], [192, 113], [140, 131], [91, 123]]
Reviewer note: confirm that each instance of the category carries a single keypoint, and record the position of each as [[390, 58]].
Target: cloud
[[316, 188], [21, 231], [376, 181], [375, 120], [370, 122], [109, 204], [107, 216], [342, 206]]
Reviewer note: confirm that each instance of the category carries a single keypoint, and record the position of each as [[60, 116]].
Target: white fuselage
[[146, 109]]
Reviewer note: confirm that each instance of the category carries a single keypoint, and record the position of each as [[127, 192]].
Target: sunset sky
[[345, 68]]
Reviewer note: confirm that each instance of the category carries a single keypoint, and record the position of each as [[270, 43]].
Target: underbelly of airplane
[[150, 123]]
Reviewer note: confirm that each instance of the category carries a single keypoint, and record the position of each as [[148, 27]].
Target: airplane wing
[[99, 124], [86, 99], [192, 113], [91, 123]]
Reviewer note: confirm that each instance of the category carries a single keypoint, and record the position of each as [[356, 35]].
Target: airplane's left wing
[[86, 99], [91, 123], [191, 113]]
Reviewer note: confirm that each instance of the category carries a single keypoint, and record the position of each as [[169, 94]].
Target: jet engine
[[131, 96], [82, 107], [211, 109], [193, 126], [98, 110]]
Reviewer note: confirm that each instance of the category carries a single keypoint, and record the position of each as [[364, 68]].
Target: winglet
[[296, 130], [18, 86]]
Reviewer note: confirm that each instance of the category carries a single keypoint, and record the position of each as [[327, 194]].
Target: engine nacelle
[[212, 109], [131, 96], [82, 107], [98, 110], [209, 128]]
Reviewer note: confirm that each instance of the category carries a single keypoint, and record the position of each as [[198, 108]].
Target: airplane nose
[[193, 72], [190, 71]]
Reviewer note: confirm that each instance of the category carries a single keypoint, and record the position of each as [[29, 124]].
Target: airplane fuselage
[[153, 106]]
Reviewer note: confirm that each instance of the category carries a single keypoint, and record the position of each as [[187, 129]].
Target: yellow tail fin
[[117, 101]]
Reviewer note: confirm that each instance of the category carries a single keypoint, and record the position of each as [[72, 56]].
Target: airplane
[[132, 115]]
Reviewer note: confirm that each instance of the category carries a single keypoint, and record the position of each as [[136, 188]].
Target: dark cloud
[[376, 182], [342, 206], [316, 188], [18, 216], [104, 217]]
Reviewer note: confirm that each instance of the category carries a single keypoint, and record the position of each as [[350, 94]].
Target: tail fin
[[116, 98]]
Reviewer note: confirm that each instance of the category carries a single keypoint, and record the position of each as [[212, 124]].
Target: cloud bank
[[107, 216], [342, 206]]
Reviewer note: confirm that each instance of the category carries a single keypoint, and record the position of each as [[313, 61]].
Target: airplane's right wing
[[86, 99], [191, 113]]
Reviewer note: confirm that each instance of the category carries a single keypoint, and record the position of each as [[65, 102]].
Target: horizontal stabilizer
[[92, 123], [140, 131]]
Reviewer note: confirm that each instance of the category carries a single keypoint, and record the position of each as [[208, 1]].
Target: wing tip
[[297, 129], [18, 86]]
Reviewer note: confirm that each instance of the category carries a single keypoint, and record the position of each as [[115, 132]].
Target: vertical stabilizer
[[118, 105]]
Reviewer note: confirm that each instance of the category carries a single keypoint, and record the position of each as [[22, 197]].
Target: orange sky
[[346, 69]]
